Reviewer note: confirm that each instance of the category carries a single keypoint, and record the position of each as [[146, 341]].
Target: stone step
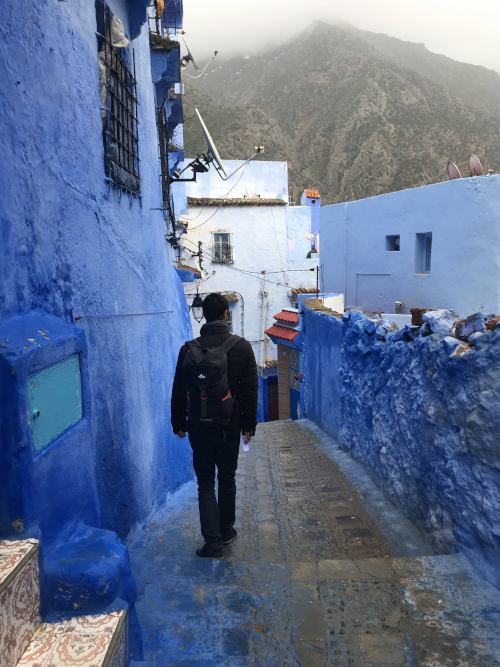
[[19, 598], [96, 640], [87, 641]]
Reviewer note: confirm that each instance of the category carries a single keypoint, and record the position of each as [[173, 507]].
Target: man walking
[[214, 429]]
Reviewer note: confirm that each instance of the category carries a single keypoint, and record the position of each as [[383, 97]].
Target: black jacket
[[242, 378]]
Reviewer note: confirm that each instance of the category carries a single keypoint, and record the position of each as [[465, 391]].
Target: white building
[[249, 244], [436, 246]]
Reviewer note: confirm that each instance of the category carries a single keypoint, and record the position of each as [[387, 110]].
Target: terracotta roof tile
[[230, 296], [303, 290], [285, 333], [313, 194], [258, 201], [184, 267], [287, 316]]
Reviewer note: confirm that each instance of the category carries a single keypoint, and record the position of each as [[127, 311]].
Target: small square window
[[392, 243], [222, 250]]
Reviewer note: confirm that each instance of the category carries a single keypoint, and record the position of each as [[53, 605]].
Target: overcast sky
[[461, 29]]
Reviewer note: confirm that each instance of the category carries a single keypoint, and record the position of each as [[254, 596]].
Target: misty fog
[[464, 31]]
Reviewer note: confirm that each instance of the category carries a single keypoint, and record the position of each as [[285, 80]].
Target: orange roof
[[184, 267], [313, 194], [285, 333], [230, 296], [303, 290], [286, 316]]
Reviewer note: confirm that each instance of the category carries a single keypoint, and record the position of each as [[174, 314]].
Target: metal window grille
[[230, 319], [119, 112], [222, 250], [164, 162], [428, 252]]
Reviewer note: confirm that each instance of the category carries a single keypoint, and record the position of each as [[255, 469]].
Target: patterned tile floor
[[313, 580]]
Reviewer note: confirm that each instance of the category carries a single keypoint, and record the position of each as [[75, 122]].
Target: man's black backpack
[[209, 400]]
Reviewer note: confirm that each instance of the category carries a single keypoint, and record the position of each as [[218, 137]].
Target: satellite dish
[[475, 166], [453, 171], [189, 58], [201, 163], [211, 146]]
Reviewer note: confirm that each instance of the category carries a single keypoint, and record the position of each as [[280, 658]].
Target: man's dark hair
[[214, 307]]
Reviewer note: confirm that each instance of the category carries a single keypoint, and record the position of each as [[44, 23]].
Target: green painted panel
[[55, 398]]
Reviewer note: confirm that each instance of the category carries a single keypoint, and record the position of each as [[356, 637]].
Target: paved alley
[[325, 572]]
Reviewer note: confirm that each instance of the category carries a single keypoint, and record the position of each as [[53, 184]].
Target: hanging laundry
[[290, 244], [309, 237]]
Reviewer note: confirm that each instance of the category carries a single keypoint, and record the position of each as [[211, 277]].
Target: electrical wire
[[223, 197], [279, 250], [251, 274], [233, 268]]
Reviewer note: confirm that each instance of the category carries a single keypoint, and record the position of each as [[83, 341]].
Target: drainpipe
[[242, 314], [263, 344]]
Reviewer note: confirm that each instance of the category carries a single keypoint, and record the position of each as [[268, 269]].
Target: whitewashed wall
[[259, 241]]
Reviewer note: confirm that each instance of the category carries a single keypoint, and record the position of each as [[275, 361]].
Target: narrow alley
[[325, 572]]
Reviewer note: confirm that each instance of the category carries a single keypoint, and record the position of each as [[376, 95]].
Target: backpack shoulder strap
[[228, 344]]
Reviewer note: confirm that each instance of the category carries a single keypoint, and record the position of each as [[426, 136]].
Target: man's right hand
[[181, 434]]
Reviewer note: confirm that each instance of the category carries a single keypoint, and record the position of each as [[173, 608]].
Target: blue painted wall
[[321, 360], [462, 216], [420, 412], [72, 246]]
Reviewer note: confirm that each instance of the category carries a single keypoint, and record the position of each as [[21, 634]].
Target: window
[[165, 171], [423, 252], [230, 319], [222, 251], [294, 363], [118, 102], [428, 250], [392, 243]]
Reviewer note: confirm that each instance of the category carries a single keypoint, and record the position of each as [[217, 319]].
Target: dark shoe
[[209, 552], [229, 536]]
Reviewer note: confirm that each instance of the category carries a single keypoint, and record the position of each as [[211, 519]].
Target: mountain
[[353, 118]]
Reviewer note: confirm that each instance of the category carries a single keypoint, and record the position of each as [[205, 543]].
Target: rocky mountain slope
[[353, 118]]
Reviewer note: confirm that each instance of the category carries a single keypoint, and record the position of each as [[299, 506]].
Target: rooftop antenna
[[453, 171], [202, 162], [475, 166], [189, 58]]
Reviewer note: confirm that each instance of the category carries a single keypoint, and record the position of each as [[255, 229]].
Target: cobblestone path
[[324, 573]]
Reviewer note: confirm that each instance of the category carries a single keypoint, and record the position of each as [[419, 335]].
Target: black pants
[[210, 450]]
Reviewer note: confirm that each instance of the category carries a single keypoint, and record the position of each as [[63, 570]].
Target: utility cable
[[159, 312], [279, 249], [233, 268], [223, 197]]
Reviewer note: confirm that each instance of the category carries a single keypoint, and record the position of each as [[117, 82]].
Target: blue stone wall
[[421, 412], [72, 246]]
